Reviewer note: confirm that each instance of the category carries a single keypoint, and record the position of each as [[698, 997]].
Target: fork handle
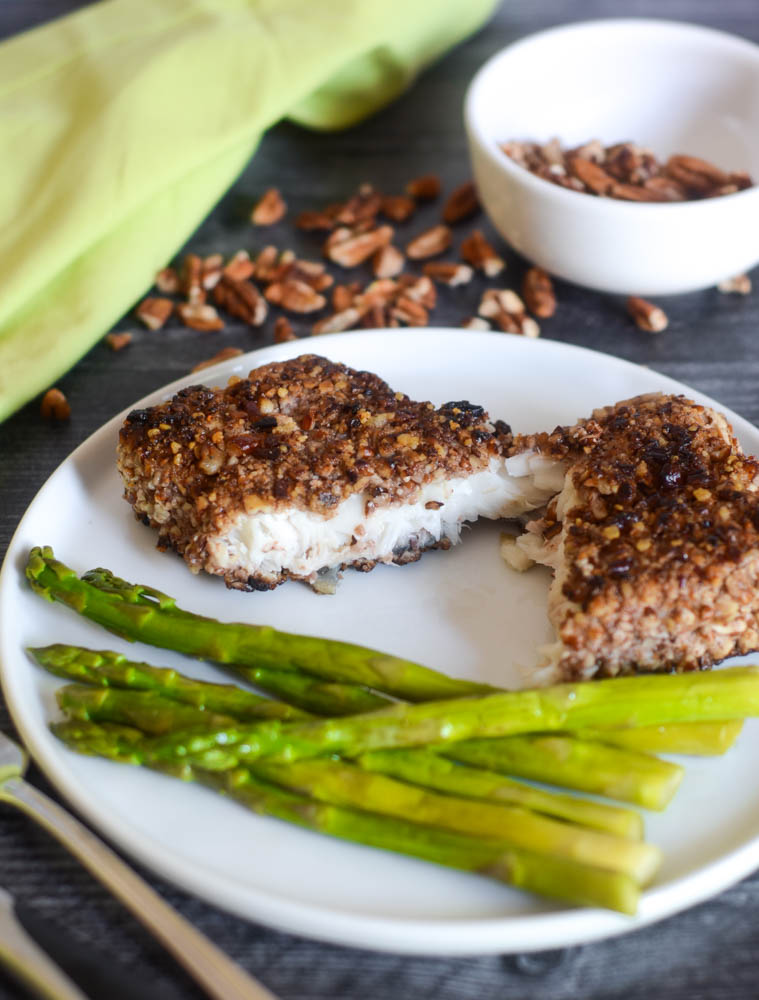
[[221, 978]]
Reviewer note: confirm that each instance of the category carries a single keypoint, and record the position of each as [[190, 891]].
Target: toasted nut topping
[[388, 262], [701, 494], [55, 406], [450, 274], [398, 207], [167, 281], [283, 330], [461, 204], [429, 243], [270, 209], [154, 312], [241, 299], [647, 316], [118, 341], [537, 289], [353, 249], [739, 285], [224, 355], [424, 188], [611, 531], [476, 250], [200, 316]]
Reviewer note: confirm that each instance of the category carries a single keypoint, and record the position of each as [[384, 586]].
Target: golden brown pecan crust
[[304, 433], [662, 546]]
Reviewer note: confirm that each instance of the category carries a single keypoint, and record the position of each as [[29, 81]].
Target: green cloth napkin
[[121, 126]]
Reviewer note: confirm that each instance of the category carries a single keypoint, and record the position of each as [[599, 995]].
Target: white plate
[[462, 611]]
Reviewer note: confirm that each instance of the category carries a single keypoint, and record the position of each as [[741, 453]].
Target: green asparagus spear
[[581, 764], [137, 612], [344, 784], [612, 703], [701, 739], [154, 714], [557, 877], [311, 694], [106, 668], [430, 770]]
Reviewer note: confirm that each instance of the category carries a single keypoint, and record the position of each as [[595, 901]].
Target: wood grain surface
[[710, 951]]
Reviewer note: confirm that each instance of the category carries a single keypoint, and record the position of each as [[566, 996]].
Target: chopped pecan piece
[[409, 311], [354, 249], [646, 315], [425, 188], [450, 274], [239, 267], [224, 355], [295, 296], [361, 207], [430, 243], [55, 406], [343, 295], [269, 209], [310, 221], [348, 319], [636, 192], [462, 203], [476, 250], [689, 167], [211, 271], [266, 264], [420, 289], [241, 299], [283, 330], [476, 323], [739, 285], [591, 175], [200, 315], [117, 341], [167, 281], [154, 311], [398, 207], [538, 292], [191, 279], [387, 262]]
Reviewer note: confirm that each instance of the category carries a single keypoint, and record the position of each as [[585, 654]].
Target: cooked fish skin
[[309, 465], [654, 540]]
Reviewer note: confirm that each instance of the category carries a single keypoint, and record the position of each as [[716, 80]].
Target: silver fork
[[212, 969]]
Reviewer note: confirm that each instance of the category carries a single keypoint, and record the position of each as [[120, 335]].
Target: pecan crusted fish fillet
[[307, 466], [654, 540]]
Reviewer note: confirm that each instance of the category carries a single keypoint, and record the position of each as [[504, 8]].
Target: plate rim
[[468, 936]]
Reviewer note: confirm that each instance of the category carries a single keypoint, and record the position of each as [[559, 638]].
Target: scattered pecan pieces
[[476, 323], [167, 281], [537, 289], [476, 250], [349, 249], [200, 316], [739, 285], [425, 188], [118, 341], [505, 308], [388, 262], [626, 171], [646, 315], [55, 406], [283, 330], [461, 204], [398, 207], [239, 267], [347, 319], [269, 210], [241, 299], [154, 311], [363, 206], [450, 274], [224, 355], [295, 296], [191, 278], [430, 243]]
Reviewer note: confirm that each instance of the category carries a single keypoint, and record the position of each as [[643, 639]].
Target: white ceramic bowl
[[672, 87]]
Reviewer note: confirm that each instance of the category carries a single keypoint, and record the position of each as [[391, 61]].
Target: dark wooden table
[[708, 951]]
